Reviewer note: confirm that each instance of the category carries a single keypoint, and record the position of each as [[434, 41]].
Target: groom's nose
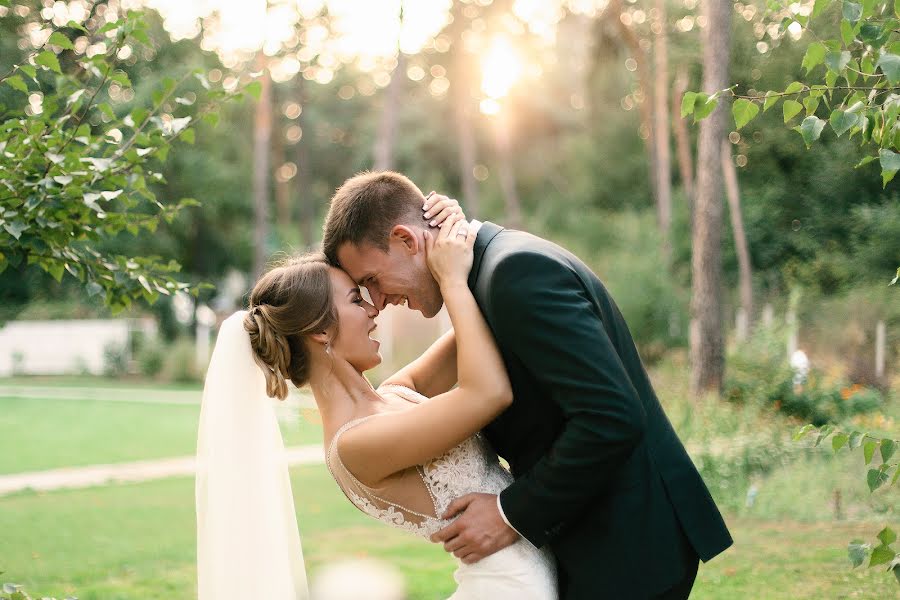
[[378, 299]]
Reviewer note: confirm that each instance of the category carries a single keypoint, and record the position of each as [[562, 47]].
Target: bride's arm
[[398, 440]]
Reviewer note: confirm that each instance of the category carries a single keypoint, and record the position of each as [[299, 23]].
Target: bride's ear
[[407, 237], [322, 337]]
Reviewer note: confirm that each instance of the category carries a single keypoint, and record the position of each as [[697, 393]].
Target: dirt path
[[143, 470], [142, 395]]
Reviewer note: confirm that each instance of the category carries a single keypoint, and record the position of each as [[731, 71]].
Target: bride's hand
[[448, 252], [438, 207]]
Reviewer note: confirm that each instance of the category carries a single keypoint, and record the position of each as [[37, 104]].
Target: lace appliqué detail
[[394, 517], [470, 467]]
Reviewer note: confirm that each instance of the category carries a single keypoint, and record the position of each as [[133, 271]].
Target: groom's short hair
[[365, 209]]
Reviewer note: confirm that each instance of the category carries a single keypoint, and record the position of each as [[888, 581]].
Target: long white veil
[[248, 545]]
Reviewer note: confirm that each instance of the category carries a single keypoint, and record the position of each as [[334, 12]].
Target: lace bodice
[[413, 500]]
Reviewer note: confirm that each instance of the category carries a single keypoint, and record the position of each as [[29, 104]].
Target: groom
[[600, 475]]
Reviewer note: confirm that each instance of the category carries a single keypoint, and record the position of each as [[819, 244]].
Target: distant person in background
[[601, 478]]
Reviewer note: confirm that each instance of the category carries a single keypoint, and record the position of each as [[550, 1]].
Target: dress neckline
[[414, 397]]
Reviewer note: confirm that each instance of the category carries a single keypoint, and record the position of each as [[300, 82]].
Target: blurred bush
[[758, 372], [180, 364], [115, 360], [623, 250], [151, 358]]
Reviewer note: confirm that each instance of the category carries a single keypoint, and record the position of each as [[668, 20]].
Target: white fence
[[64, 347]]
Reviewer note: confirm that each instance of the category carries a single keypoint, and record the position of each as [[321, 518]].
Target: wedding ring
[[462, 232]]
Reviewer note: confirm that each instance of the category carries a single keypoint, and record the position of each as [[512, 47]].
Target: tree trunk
[[682, 138], [462, 112], [282, 187], [262, 134], [507, 172], [387, 127], [706, 340], [305, 199], [645, 86], [661, 134], [461, 82], [740, 239]]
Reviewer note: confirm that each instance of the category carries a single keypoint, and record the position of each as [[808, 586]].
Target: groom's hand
[[478, 532]]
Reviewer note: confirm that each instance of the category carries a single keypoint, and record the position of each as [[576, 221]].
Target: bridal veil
[[248, 544]]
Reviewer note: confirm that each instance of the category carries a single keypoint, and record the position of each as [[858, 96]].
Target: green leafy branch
[[43, 57], [882, 553], [67, 185], [859, 80]]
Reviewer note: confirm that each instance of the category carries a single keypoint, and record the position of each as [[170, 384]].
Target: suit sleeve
[[541, 311]]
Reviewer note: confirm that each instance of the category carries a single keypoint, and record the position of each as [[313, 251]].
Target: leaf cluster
[[882, 553], [78, 167], [852, 83]]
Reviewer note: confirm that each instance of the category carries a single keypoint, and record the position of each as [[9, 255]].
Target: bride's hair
[[288, 303]]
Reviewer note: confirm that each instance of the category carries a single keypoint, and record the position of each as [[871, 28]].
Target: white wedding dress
[[412, 500]]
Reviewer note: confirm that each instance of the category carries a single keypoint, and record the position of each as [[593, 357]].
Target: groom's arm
[[541, 311]]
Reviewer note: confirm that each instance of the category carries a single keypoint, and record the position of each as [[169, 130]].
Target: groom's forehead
[[359, 261]]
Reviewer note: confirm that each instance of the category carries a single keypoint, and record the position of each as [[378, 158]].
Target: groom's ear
[[407, 237]]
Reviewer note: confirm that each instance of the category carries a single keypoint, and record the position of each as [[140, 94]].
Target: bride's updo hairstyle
[[291, 301]]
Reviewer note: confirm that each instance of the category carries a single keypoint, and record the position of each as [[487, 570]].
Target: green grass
[[91, 381], [791, 561], [137, 542], [44, 433]]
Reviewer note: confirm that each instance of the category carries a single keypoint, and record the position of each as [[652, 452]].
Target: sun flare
[[501, 67]]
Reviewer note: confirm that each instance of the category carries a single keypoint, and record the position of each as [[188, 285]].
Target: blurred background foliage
[[581, 175]]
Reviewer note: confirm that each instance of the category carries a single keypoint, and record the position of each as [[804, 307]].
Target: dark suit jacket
[[600, 474]]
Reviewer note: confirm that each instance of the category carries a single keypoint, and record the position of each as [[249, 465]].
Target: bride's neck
[[341, 392]]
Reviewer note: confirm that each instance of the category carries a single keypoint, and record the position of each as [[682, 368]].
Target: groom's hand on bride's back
[[478, 532]]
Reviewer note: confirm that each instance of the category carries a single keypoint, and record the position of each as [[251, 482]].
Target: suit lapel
[[487, 232]]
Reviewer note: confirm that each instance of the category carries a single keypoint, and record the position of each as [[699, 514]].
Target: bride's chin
[[374, 361]]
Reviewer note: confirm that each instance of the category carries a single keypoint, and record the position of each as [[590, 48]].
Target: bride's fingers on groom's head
[[441, 210], [445, 213], [455, 228], [449, 227]]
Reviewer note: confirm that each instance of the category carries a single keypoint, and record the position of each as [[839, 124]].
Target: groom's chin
[[430, 311]]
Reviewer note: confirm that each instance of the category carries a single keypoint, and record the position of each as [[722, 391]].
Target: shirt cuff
[[505, 520]]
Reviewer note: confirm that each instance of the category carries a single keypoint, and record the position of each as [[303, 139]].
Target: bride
[[400, 453]]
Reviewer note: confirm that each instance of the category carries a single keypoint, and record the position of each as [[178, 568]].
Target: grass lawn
[[137, 542], [786, 560], [46, 433], [92, 381]]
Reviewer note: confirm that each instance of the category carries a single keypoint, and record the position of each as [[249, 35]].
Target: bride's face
[[356, 321]]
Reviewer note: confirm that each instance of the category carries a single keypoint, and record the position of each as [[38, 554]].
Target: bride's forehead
[[342, 279]]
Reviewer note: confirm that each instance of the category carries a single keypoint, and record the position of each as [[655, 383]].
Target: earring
[[328, 348]]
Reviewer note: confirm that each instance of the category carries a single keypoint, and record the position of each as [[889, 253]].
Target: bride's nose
[[371, 310]]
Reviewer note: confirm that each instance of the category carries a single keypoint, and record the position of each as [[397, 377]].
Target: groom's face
[[398, 276]]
